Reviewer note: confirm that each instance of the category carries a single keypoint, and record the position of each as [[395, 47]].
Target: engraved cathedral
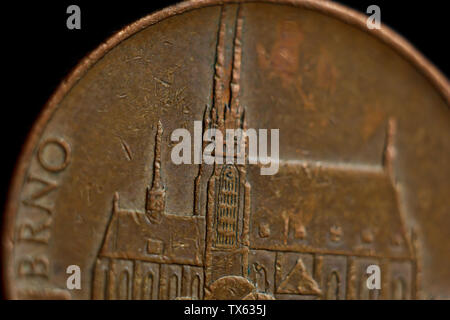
[[231, 249]]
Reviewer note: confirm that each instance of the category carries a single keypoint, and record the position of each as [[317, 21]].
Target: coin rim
[[328, 8]]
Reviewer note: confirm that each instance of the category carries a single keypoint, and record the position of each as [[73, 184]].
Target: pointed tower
[[228, 195], [389, 158], [389, 152], [156, 195]]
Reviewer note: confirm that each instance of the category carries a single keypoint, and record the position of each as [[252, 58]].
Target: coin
[[361, 181]]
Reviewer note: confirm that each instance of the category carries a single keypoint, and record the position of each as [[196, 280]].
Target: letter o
[[64, 146]]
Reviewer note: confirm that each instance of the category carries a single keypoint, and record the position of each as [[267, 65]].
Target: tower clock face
[[354, 176]]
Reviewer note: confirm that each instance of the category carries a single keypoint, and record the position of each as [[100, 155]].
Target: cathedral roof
[[327, 208], [176, 239]]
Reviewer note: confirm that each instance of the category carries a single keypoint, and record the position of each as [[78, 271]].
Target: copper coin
[[363, 177]]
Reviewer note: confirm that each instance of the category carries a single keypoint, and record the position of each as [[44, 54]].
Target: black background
[[39, 51], [315, 309]]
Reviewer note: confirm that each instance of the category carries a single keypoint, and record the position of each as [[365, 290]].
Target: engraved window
[[260, 277], [105, 283], [227, 208], [398, 289], [101, 288], [195, 288], [363, 290], [122, 289], [333, 286], [173, 287], [147, 287]]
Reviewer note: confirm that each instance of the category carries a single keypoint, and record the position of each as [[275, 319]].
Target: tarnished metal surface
[[363, 177]]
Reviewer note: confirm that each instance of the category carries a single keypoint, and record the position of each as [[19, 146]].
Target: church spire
[[389, 152], [156, 196], [157, 184]]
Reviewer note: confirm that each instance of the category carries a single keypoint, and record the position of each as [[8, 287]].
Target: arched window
[[147, 287], [101, 288], [398, 289], [333, 286], [227, 208], [364, 292], [260, 277], [195, 287], [123, 285], [173, 287], [363, 289]]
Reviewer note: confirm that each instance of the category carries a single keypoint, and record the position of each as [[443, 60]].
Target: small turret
[[389, 152], [156, 195]]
